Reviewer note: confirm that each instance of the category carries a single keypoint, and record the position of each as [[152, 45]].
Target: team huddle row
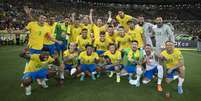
[[83, 48]]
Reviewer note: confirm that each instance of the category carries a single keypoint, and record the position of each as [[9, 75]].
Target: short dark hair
[[168, 41], [84, 29], [148, 45], [89, 45], [102, 33], [135, 41]]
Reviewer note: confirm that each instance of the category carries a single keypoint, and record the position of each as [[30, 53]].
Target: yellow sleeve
[[66, 53], [34, 57], [29, 26], [128, 17], [50, 59]]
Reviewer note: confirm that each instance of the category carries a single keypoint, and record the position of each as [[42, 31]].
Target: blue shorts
[[42, 73], [68, 67], [100, 52], [61, 47], [130, 69], [90, 67], [150, 73], [50, 48], [172, 74], [34, 51]]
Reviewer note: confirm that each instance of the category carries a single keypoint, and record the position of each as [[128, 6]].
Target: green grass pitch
[[103, 89]]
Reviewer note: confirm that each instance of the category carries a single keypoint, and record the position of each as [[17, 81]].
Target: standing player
[[162, 34], [111, 34], [136, 33], [102, 43], [152, 67], [83, 40], [147, 30], [99, 26], [88, 60], [174, 64], [38, 31], [50, 44], [75, 29], [123, 40], [123, 19], [115, 65]]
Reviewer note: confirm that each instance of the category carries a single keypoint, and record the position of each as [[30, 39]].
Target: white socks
[[180, 81], [62, 75]]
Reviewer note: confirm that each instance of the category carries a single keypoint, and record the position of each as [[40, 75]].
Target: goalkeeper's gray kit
[[147, 32], [163, 34]]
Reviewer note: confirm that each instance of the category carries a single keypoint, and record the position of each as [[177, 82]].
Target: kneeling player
[[174, 63], [115, 65], [135, 58], [88, 60], [152, 68], [69, 60], [135, 54], [34, 70]]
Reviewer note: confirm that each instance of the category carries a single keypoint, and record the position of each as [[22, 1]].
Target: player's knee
[[51, 73], [27, 81]]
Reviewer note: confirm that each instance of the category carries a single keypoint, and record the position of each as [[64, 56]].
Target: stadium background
[[184, 15]]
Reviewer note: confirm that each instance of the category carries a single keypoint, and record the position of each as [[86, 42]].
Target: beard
[[141, 23]]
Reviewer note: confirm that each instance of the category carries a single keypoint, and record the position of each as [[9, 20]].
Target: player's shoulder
[[177, 51]]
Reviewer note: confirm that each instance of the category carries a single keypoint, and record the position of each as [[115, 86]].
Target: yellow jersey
[[85, 59], [124, 42], [96, 30], [111, 37], [102, 45], [172, 59], [123, 22], [37, 35], [36, 64], [114, 57], [51, 29], [137, 34], [75, 32], [74, 54], [88, 26], [83, 42]]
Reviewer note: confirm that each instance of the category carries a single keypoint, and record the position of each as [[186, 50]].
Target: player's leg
[[27, 80], [109, 68], [83, 70], [117, 70], [160, 78], [92, 69], [139, 73], [130, 70], [42, 75], [181, 79]]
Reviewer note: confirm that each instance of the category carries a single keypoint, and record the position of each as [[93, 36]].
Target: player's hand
[[109, 12], [91, 10], [73, 14]]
